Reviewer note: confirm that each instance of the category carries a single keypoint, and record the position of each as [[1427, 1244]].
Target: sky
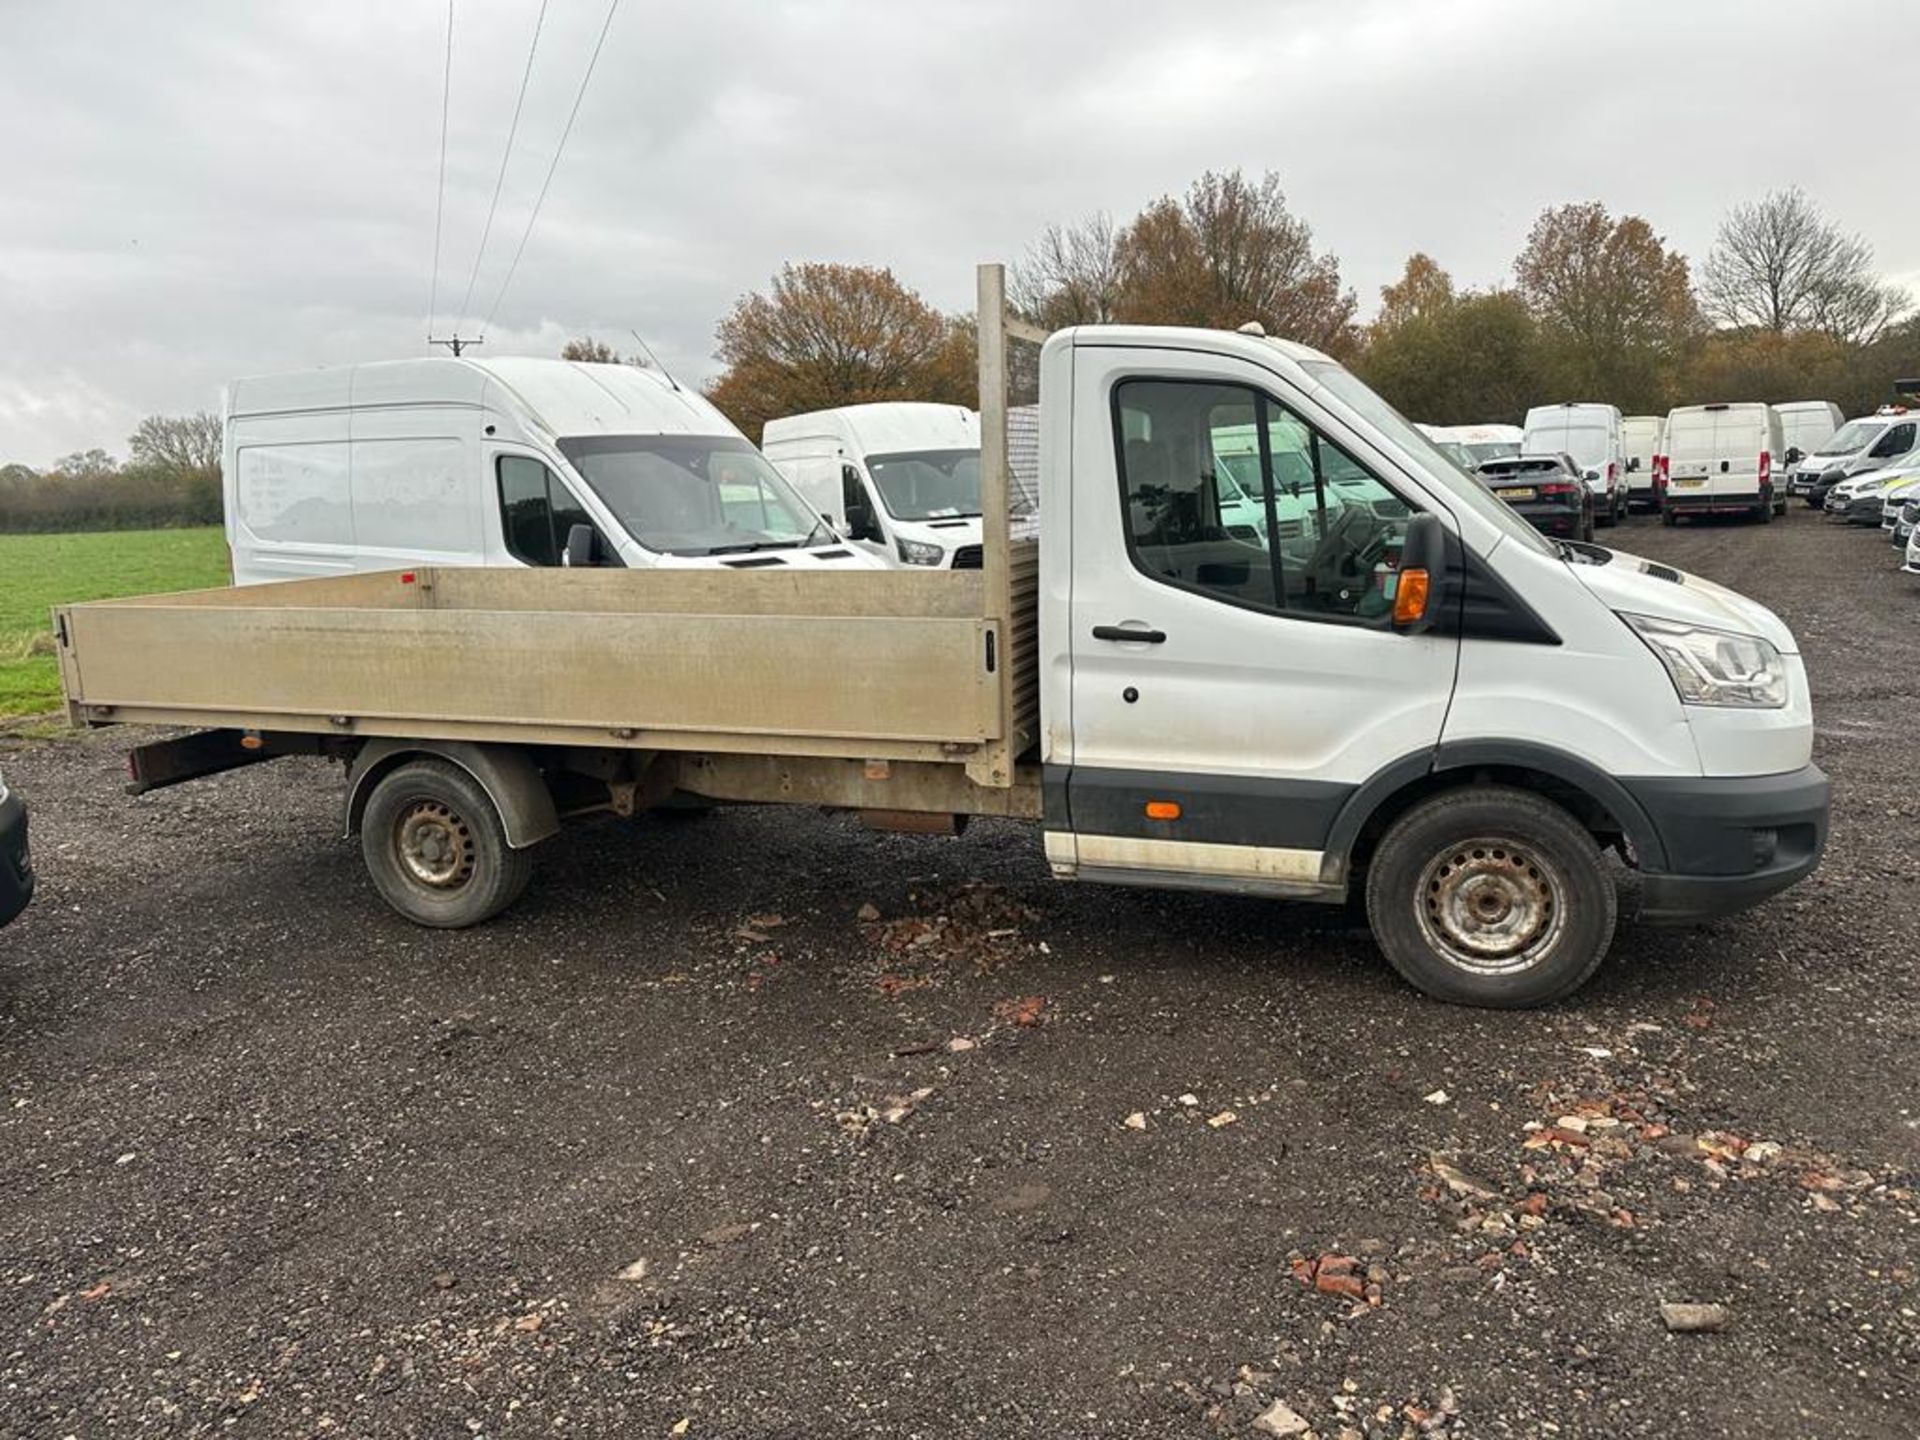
[[203, 189]]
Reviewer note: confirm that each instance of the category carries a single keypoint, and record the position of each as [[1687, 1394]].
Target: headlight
[[1715, 667], [919, 552]]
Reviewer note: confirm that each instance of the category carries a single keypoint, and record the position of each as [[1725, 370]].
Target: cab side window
[[537, 511], [1229, 494], [1898, 440]]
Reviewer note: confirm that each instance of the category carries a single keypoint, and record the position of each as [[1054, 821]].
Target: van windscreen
[[694, 494], [928, 484], [1854, 435]]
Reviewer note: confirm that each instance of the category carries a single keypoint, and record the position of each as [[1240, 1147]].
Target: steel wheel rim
[[434, 845], [1490, 906]]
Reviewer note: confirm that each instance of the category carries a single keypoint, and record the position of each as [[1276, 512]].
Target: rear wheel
[[1765, 513], [1491, 896], [1667, 517], [436, 848]]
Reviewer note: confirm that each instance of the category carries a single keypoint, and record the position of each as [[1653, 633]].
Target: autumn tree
[[1227, 252], [1070, 275], [180, 446], [1422, 289], [1614, 305], [826, 335], [586, 349], [1778, 264], [1446, 357]]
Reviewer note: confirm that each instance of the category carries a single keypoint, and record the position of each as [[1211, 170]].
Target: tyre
[[436, 848], [1491, 896], [1586, 528], [1667, 517], [1765, 513]]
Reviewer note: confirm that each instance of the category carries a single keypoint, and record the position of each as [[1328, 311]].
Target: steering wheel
[[1323, 563]]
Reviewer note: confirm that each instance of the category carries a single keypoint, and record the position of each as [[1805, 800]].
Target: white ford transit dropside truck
[[1413, 697]]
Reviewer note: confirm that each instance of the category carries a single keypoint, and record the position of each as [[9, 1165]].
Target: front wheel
[[1491, 896], [436, 848]]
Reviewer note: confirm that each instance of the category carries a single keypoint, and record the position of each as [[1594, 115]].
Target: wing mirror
[[1633, 463], [1593, 474], [1419, 591], [1795, 455]]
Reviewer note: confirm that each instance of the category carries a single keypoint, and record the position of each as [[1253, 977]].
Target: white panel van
[[1807, 425], [1721, 460], [1473, 445], [901, 478], [1643, 437], [1887, 438], [500, 462], [1591, 434]]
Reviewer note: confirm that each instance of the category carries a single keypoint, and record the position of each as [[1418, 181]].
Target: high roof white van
[[1807, 425], [1591, 435], [449, 461], [900, 478], [1721, 460], [1643, 436]]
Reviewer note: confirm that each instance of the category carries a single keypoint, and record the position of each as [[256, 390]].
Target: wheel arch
[[1589, 794], [512, 782]]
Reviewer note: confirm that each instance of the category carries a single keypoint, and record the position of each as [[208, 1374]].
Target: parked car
[[469, 462], [1592, 435], [1911, 562], [1721, 460], [1872, 442], [16, 860], [1806, 426], [901, 479], [1861, 500], [1548, 491], [1899, 508], [1644, 437]]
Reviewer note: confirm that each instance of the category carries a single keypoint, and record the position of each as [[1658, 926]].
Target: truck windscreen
[[694, 494]]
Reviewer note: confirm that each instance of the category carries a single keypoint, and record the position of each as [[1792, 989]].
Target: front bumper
[[16, 862], [1864, 511], [1730, 842]]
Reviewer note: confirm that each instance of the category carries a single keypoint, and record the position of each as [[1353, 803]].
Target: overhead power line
[[558, 150], [501, 179], [440, 200]]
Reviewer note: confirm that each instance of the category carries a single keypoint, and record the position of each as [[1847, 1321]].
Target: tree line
[[1786, 306], [171, 477]]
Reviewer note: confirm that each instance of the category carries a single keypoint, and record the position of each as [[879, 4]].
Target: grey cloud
[[202, 189]]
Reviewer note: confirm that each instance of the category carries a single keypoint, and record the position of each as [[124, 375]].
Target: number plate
[[1684, 483], [1522, 494]]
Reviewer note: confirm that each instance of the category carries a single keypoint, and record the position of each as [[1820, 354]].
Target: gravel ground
[[693, 1143]]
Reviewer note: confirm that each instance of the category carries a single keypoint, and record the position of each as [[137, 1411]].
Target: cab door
[[1229, 696]]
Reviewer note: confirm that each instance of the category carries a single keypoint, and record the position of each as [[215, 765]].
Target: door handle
[[1124, 632]]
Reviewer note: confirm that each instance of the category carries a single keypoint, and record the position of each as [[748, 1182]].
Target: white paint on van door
[[413, 498]]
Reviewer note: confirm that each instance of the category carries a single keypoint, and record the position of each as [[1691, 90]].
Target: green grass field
[[41, 571]]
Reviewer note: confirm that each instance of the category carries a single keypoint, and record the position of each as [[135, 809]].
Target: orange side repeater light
[[1410, 596], [1163, 809]]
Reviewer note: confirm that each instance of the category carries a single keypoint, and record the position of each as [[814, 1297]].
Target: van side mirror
[[1419, 591], [583, 548], [1795, 455], [1633, 463]]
